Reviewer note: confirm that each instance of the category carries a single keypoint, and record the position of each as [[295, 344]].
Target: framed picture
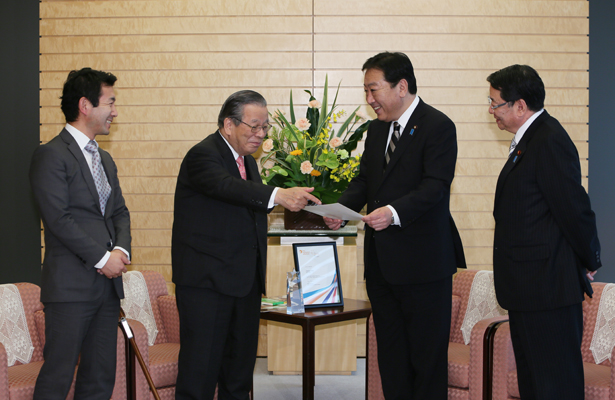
[[320, 274]]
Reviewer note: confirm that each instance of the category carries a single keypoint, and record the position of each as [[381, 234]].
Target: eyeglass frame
[[255, 129], [496, 106]]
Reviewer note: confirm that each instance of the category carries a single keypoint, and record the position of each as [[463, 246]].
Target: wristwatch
[[392, 219]]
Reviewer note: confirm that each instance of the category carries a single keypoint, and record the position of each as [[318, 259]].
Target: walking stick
[[130, 372]]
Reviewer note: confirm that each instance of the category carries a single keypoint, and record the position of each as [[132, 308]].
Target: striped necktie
[[392, 143]]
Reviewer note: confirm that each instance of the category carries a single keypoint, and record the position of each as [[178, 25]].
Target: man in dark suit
[[546, 246], [220, 249], [412, 247], [87, 243]]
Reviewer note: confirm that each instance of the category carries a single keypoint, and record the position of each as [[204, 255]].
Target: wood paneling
[[177, 61]]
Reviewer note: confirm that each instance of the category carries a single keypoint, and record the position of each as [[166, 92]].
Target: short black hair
[[233, 106], [86, 82], [518, 82], [395, 67]]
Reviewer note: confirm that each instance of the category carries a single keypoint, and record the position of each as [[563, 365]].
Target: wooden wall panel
[[177, 61]]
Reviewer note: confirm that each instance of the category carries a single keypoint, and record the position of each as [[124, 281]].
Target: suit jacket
[[77, 235], [220, 221], [545, 230], [416, 182]]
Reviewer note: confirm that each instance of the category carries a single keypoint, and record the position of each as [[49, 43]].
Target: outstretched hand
[[295, 198]]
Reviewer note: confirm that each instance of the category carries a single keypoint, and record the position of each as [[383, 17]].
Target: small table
[[352, 309]]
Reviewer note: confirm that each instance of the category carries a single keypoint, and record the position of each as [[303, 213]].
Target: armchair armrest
[[39, 321], [170, 317], [4, 373], [612, 386], [140, 334], [479, 355], [503, 361]]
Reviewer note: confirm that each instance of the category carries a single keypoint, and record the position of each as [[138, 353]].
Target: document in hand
[[335, 211]]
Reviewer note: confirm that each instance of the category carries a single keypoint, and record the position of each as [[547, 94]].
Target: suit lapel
[[515, 158], [107, 166], [252, 169], [73, 147], [227, 156]]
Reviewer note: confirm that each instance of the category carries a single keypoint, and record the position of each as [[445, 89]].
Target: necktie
[[242, 167], [100, 179], [513, 144], [392, 143]]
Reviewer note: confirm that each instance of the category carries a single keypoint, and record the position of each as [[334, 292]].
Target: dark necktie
[[100, 179], [392, 143]]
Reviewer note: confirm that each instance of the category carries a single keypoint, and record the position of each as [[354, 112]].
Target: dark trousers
[[547, 346], [86, 328], [412, 329], [219, 340]]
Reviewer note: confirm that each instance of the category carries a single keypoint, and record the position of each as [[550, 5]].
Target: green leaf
[[352, 142], [323, 109], [348, 121], [292, 108]]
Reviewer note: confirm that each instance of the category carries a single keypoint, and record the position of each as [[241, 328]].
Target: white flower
[[306, 167], [267, 145], [335, 142], [361, 114], [314, 104], [303, 124]]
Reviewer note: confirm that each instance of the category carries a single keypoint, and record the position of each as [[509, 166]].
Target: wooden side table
[[352, 309]]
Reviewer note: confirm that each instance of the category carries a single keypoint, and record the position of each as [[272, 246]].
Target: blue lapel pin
[[412, 131], [518, 154]]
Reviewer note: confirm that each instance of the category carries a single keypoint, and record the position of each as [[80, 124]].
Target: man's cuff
[[271, 203], [396, 220], [103, 261], [123, 251], [107, 255]]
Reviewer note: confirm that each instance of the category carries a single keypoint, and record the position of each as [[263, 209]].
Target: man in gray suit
[[87, 243]]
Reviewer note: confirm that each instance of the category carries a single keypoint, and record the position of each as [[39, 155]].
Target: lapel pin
[[518, 152], [412, 131]]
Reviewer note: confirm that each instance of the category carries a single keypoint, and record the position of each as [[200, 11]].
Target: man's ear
[[403, 87], [228, 125], [520, 107], [84, 106]]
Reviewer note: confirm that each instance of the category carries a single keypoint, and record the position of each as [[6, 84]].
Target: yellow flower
[[296, 152], [315, 172]]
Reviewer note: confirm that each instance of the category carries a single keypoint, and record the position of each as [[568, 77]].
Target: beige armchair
[[161, 356], [599, 378], [17, 382]]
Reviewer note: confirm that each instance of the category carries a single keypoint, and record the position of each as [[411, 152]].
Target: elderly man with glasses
[[219, 251], [546, 247]]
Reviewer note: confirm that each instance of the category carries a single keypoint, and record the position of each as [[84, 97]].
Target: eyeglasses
[[490, 101], [255, 129]]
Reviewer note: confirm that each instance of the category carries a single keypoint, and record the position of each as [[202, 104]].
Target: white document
[[335, 211]]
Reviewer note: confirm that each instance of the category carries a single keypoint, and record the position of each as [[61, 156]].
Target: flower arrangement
[[309, 152]]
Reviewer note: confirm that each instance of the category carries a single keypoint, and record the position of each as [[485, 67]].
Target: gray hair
[[233, 106]]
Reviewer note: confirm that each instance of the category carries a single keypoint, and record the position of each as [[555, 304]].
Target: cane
[[130, 372]]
